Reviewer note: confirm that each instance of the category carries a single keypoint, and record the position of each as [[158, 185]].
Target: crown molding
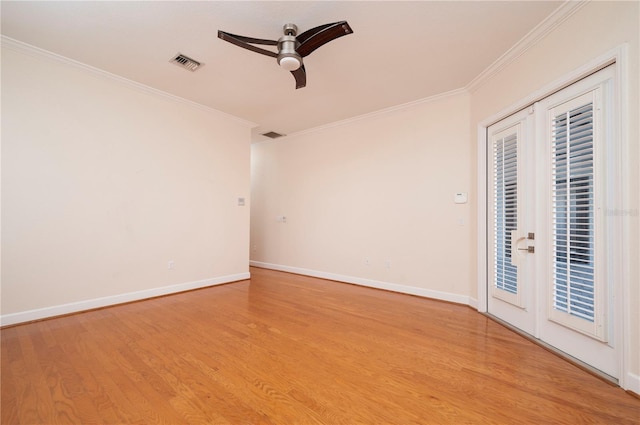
[[555, 19], [28, 49], [377, 113]]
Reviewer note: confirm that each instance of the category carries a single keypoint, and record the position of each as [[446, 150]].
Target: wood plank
[[283, 348]]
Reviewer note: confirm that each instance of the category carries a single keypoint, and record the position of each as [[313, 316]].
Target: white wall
[[592, 31], [104, 183], [380, 187]]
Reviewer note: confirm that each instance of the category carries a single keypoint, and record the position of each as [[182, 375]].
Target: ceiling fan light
[[289, 63]]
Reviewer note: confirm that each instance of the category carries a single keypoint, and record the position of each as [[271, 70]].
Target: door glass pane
[[573, 213], [505, 196]]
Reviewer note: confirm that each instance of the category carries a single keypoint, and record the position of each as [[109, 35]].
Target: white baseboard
[[403, 289], [473, 303], [75, 307], [632, 383]]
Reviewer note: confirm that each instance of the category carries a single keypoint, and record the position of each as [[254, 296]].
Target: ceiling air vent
[[273, 134], [185, 62]]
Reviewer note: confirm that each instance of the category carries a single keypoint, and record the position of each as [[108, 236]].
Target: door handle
[[515, 241], [529, 249]]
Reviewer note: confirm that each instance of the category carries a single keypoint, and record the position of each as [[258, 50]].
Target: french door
[[511, 295], [550, 182]]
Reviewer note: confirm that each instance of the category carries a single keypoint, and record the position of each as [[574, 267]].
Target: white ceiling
[[399, 52]]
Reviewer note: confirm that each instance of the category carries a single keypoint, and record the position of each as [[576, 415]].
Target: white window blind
[[505, 195], [573, 212]]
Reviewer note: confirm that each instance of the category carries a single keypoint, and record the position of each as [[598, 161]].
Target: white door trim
[[622, 325]]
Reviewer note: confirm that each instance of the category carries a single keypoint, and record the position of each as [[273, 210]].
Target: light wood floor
[[288, 349]]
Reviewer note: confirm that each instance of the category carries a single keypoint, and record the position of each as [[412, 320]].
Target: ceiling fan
[[291, 46]]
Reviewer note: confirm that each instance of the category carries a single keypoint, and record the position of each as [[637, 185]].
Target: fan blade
[[316, 37], [243, 42], [301, 77], [249, 39], [309, 33]]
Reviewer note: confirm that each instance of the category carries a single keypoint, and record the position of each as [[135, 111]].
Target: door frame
[[621, 258]]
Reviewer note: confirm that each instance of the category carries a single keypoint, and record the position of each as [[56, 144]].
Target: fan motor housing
[[287, 45]]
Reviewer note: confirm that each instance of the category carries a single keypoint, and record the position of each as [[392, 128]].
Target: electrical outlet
[[171, 265], [387, 264], [367, 261]]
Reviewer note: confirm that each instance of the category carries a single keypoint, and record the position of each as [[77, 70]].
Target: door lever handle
[[515, 240]]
